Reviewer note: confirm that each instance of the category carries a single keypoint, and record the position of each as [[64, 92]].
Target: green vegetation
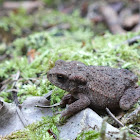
[[39, 131], [89, 135], [15, 25], [21, 24], [35, 54], [79, 45]]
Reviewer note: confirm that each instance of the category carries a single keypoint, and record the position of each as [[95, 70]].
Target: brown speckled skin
[[95, 86]]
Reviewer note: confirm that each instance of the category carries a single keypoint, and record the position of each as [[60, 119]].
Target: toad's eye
[[61, 78]]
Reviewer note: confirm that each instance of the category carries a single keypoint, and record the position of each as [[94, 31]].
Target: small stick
[[14, 91], [129, 41], [14, 87], [21, 116], [52, 133], [121, 124], [54, 105], [48, 94], [111, 19]]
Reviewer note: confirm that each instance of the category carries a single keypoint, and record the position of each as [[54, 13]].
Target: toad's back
[[107, 85]]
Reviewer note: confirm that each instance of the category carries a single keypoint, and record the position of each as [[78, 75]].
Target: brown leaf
[[31, 55]]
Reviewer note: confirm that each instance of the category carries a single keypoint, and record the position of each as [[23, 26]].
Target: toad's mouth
[[68, 88], [73, 90]]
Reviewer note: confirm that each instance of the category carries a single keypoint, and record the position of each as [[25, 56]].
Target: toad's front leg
[[82, 102], [67, 99]]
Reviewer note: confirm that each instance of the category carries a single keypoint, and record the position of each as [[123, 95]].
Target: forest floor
[[37, 33]]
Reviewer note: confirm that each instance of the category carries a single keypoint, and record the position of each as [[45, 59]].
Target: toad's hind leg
[[130, 97]]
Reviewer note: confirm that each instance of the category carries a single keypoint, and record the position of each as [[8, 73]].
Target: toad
[[95, 86]]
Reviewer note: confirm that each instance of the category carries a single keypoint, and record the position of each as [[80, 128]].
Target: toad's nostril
[[50, 75]]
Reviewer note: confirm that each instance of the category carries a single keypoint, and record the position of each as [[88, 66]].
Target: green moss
[[38, 131], [57, 95], [77, 43], [7, 96], [89, 135], [20, 23], [16, 22], [61, 21]]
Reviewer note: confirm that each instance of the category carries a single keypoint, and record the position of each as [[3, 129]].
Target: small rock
[[85, 119]]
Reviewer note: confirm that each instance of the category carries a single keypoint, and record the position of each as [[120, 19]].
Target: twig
[[14, 91], [54, 105], [111, 19], [6, 81], [52, 133], [17, 77], [4, 84], [14, 86], [48, 94], [129, 41], [121, 124], [21, 116]]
